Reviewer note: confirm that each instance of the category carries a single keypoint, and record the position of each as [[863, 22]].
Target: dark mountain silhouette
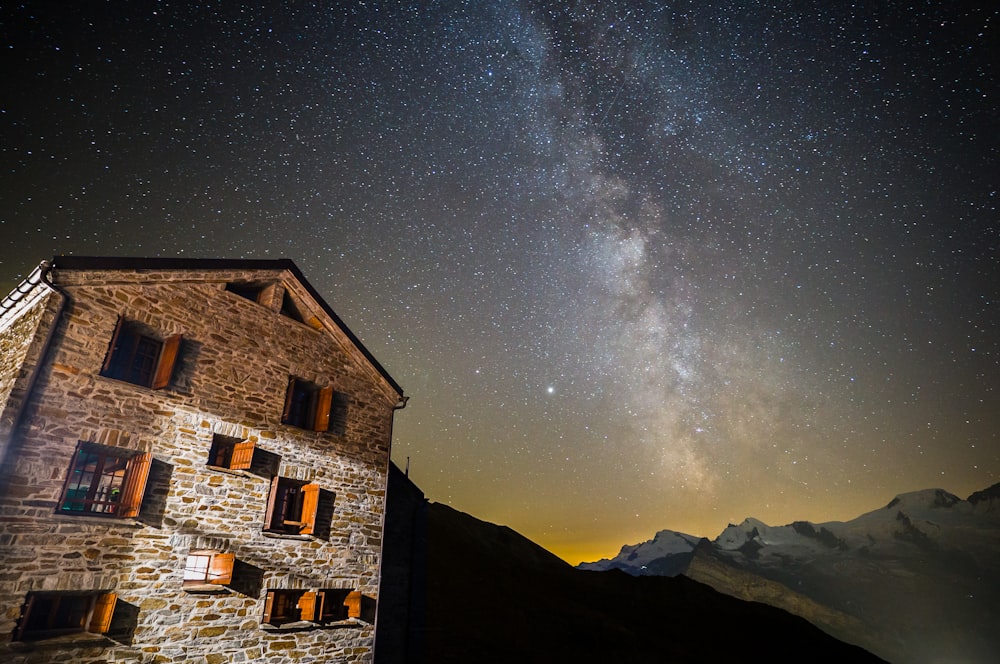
[[494, 596]]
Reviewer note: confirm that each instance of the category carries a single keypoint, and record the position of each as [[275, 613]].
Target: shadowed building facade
[[194, 466]]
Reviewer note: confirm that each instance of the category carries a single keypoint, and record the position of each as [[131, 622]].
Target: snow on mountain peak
[[927, 498], [636, 557]]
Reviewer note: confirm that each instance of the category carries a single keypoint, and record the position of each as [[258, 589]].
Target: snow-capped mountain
[[667, 554], [917, 580]]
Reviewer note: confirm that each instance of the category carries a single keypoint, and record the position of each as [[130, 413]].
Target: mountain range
[[915, 582], [491, 595]]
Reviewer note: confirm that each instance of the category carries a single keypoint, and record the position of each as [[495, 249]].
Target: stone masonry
[[230, 383]]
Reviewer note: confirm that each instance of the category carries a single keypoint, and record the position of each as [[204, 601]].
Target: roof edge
[[159, 263]]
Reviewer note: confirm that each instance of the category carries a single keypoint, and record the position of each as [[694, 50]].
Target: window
[[105, 481], [48, 614], [309, 406], [320, 606], [230, 452], [291, 507], [282, 606], [139, 358], [260, 293], [294, 309], [332, 605], [208, 568]]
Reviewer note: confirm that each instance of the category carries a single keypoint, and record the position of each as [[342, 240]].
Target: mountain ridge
[[495, 596], [915, 581]]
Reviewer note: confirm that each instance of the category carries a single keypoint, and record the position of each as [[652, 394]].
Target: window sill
[[119, 381], [110, 520], [86, 639], [288, 536], [206, 589], [305, 625], [229, 471]]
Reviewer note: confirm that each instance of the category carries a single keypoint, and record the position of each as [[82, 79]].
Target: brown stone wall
[[230, 379]]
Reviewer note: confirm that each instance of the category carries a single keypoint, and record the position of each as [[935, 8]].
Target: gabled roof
[[203, 264]]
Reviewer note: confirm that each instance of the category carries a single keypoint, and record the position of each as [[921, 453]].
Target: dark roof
[[130, 263]]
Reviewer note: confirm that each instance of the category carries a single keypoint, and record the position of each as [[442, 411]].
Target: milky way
[[639, 265]]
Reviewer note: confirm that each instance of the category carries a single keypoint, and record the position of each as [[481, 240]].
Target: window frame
[[137, 357], [94, 616], [332, 605], [231, 452], [127, 493], [284, 600], [311, 407], [258, 292], [292, 506], [218, 569]]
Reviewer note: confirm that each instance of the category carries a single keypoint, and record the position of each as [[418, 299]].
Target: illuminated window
[[49, 614], [210, 568], [106, 481], [196, 567], [137, 357]]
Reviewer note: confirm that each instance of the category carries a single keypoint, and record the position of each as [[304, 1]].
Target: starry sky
[[639, 265]]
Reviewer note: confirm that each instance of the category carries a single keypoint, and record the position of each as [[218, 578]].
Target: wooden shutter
[[310, 505], [353, 604], [289, 395], [220, 568], [106, 367], [272, 496], [25, 615], [322, 605], [323, 403], [104, 608], [165, 365], [242, 455], [268, 606], [307, 606], [136, 473]]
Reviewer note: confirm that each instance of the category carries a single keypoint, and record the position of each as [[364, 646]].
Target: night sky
[[639, 265]]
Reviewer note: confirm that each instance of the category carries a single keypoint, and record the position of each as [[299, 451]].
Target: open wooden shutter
[[104, 608], [323, 403], [136, 473], [220, 568], [165, 365], [322, 605], [268, 606], [310, 505], [353, 604], [242, 455], [307, 606], [25, 614], [289, 395], [272, 496], [106, 367]]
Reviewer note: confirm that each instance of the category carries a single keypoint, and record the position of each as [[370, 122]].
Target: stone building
[[194, 466]]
